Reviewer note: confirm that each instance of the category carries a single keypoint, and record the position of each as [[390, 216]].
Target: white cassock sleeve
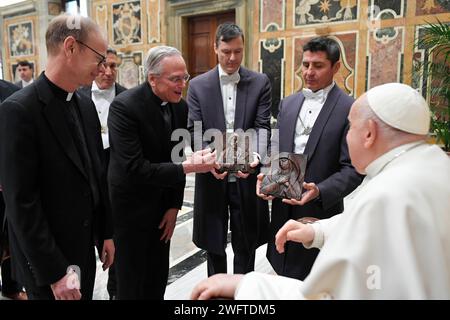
[[260, 286], [322, 231]]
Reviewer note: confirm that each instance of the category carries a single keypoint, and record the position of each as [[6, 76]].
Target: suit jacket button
[[86, 223]]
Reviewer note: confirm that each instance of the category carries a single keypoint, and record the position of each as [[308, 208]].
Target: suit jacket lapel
[[291, 115], [216, 92], [241, 99], [321, 121], [58, 122]]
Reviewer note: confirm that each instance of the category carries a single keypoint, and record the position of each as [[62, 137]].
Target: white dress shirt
[[308, 114], [102, 100], [24, 83], [228, 86]]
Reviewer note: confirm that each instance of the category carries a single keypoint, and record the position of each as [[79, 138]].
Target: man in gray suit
[[227, 98], [313, 122]]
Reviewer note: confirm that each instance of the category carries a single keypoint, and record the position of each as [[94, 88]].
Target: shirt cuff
[[318, 240]]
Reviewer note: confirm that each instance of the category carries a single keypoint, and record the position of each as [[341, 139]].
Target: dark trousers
[[141, 264], [35, 292], [244, 258], [111, 286], [8, 285]]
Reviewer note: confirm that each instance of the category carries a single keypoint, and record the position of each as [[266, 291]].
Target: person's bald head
[[405, 116]]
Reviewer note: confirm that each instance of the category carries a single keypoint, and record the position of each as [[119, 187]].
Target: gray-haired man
[[146, 187]]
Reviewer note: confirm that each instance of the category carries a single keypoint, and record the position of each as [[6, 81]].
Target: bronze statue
[[236, 154], [286, 176]]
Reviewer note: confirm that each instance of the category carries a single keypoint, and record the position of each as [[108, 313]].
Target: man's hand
[[217, 286], [259, 180], [67, 288], [218, 176], [168, 223], [312, 192], [107, 256], [254, 164], [200, 161], [293, 231]]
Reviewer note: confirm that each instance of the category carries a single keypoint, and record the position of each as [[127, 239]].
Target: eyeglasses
[[102, 61], [178, 79]]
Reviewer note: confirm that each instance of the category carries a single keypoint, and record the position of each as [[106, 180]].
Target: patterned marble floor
[[187, 262]]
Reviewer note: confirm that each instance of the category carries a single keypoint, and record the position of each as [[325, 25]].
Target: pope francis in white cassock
[[393, 239]]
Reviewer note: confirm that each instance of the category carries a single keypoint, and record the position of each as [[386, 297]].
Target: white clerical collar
[[95, 88], [69, 96], [378, 164], [164, 103], [223, 73]]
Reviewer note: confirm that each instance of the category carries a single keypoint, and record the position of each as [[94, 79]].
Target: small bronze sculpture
[[236, 153], [286, 176]]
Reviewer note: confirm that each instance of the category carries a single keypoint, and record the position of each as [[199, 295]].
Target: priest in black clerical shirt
[[50, 168], [146, 183]]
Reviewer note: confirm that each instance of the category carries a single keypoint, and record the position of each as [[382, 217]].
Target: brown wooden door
[[201, 33]]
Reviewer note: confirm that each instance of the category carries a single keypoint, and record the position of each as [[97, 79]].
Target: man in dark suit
[[25, 70], [51, 172], [227, 98], [10, 288], [145, 183], [313, 122], [102, 92]]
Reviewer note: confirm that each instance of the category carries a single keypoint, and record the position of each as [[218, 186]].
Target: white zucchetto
[[401, 107]]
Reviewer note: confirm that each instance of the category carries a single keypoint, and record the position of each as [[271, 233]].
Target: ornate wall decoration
[[424, 7], [387, 9], [346, 76], [385, 45], [126, 19], [421, 78], [101, 16], [324, 11], [271, 62], [153, 14], [131, 71], [272, 13], [21, 39]]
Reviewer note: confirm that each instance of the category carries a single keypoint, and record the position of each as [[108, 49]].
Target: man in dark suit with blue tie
[[229, 97], [313, 122], [51, 169]]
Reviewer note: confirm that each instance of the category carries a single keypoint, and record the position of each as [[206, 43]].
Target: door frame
[[178, 13]]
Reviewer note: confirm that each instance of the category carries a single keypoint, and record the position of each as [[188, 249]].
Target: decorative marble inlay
[[272, 64], [126, 19], [324, 11], [131, 71], [425, 7], [387, 9], [272, 14], [385, 45]]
